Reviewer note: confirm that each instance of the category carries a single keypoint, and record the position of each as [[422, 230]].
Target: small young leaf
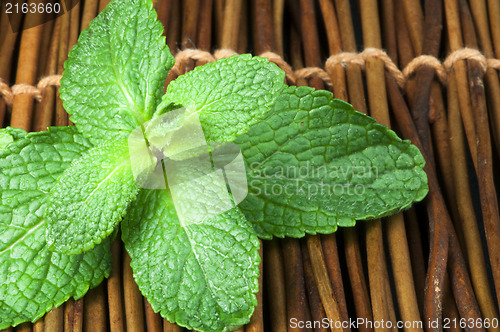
[[89, 200], [33, 279], [230, 94], [315, 163], [203, 275], [114, 76]]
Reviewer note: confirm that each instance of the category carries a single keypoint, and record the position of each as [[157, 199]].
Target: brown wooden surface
[[440, 259]]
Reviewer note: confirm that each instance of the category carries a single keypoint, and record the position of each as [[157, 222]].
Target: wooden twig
[[320, 272], [263, 37], [480, 14], [494, 12], [27, 69], [438, 215], [416, 254], [475, 254], [377, 269], [487, 191], [153, 320], [278, 13], [456, 43], [256, 323], [230, 31], [134, 311], [45, 110], [296, 302], [275, 281], [54, 320], [73, 315], [89, 12], [189, 23], [94, 312], [61, 118], [205, 25], [389, 29], [317, 311], [115, 302]]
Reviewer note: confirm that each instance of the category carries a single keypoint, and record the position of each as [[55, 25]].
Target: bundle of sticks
[[439, 259]]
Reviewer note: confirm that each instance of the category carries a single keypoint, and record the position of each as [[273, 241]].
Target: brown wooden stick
[[24, 327], [244, 28], [320, 272], [311, 45], [414, 18], [205, 25], [134, 311], [38, 325], [315, 305], [163, 9], [61, 118], [54, 320], [330, 253], [296, 303], [89, 13], [475, 254], [405, 48], [44, 47], [389, 29], [357, 98], [278, 11], [438, 213], [45, 109], [74, 28], [94, 311], [456, 43], [153, 320], [219, 21], [337, 73], [114, 284], [357, 278], [231, 28], [401, 269], [256, 323], [414, 237], [487, 190], [174, 27], [73, 315], [378, 275], [494, 12], [189, 23], [103, 4], [479, 12], [27, 70], [263, 37], [275, 281], [170, 327]]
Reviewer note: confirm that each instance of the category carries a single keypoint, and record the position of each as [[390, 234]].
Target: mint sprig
[[159, 163]]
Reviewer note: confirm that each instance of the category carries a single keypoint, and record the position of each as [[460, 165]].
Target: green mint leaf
[[9, 135], [202, 275], [315, 163], [114, 76], [34, 279], [230, 94], [89, 200]]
